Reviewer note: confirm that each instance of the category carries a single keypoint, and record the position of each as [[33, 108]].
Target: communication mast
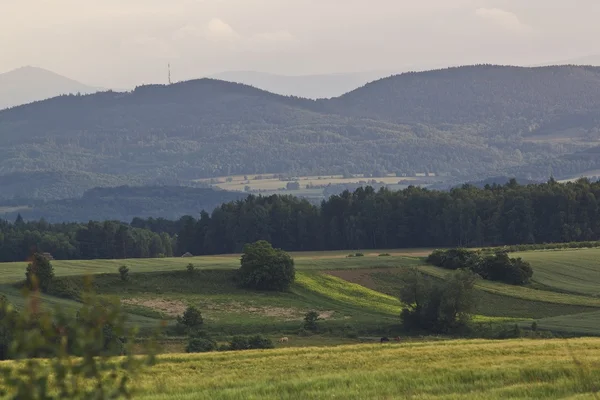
[[169, 73]]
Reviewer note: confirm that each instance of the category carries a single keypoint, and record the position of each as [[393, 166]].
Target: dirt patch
[[286, 314], [171, 308]]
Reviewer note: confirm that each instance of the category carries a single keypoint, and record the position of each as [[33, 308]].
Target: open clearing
[[238, 183], [476, 369]]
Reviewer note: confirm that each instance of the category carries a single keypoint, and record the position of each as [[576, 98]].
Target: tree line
[[494, 215], [467, 216]]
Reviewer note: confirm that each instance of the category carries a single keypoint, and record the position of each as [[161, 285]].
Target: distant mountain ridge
[[322, 86], [28, 84], [465, 122]]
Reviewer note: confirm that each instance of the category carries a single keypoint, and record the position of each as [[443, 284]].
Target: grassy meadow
[[475, 369]]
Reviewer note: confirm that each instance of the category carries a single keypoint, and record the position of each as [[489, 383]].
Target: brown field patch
[[361, 277], [284, 313], [171, 308]]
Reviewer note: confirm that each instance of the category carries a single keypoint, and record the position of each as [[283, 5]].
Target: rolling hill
[[466, 122], [28, 84]]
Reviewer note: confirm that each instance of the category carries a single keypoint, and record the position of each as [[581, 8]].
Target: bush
[[124, 273], [266, 268], [260, 342], [250, 343], [359, 255], [385, 255], [239, 343], [39, 273], [190, 321], [200, 345], [190, 268], [310, 321]]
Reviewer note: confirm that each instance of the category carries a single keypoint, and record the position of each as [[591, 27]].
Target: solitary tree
[[39, 273], [266, 268], [437, 306]]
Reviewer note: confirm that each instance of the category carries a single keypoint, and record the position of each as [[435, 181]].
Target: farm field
[[476, 369], [571, 271], [238, 183]]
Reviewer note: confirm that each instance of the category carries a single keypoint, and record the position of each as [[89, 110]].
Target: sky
[[123, 43]]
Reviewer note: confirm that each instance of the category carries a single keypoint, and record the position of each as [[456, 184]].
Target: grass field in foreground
[[474, 369]]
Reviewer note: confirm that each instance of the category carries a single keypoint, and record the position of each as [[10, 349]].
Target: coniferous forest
[[364, 219]]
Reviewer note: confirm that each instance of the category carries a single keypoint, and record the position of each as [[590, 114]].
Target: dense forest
[[466, 123], [364, 219]]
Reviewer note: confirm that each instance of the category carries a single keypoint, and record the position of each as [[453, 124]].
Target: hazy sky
[[121, 43]]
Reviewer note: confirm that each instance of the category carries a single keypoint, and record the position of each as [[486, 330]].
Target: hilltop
[[467, 122], [28, 84]]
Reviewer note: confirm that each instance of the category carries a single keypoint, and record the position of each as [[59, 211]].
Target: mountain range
[[465, 123], [29, 84]]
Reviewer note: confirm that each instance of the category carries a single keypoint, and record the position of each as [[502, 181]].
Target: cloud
[[219, 29], [504, 19]]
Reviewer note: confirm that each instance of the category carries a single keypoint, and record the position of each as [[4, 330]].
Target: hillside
[[28, 84], [126, 203], [468, 122]]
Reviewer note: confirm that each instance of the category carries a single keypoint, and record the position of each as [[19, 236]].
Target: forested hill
[[513, 98], [126, 203], [468, 122]]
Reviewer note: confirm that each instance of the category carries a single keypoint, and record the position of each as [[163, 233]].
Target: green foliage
[[124, 273], [39, 273], [190, 269], [266, 268], [191, 320], [78, 351], [200, 345], [250, 343], [385, 255], [437, 306], [310, 321], [495, 267]]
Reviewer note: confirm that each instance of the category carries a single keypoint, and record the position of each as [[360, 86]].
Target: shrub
[[39, 273], [250, 343], [310, 321], [239, 343], [200, 345], [385, 255], [260, 342], [190, 268], [190, 321], [266, 268], [359, 255], [124, 273]]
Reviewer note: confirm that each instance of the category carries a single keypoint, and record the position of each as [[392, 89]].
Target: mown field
[[474, 369]]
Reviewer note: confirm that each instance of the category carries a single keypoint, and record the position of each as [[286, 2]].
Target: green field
[[357, 294], [474, 369], [357, 300]]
